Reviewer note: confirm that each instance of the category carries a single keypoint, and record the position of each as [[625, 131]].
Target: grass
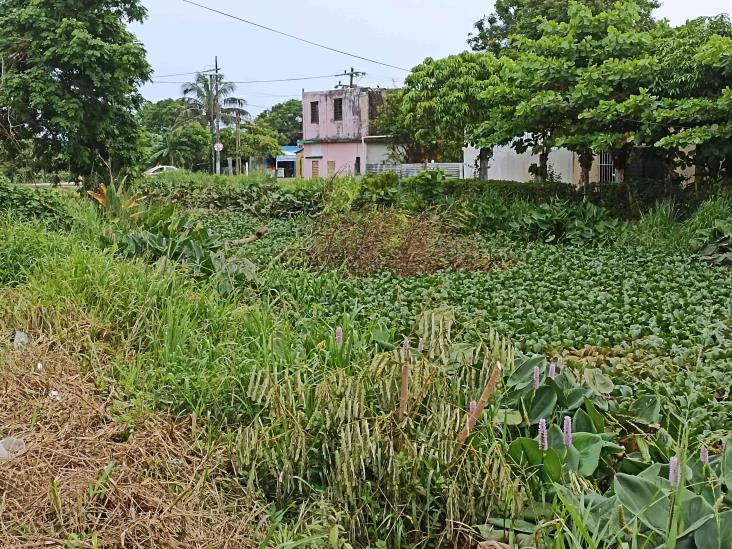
[[310, 427]]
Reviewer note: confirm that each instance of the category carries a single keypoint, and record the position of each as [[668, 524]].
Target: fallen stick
[[475, 416], [260, 233]]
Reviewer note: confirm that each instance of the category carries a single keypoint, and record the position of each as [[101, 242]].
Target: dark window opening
[[338, 109], [357, 168], [314, 112]]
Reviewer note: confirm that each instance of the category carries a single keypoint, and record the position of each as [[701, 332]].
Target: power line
[[248, 22], [182, 73], [296, 79]]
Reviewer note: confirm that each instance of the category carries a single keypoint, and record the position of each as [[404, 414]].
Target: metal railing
[[452, 170]]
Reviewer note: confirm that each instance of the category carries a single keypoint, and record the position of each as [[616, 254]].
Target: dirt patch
[[95, 474]]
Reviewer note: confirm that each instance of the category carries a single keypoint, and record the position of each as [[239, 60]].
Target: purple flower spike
[[567, 431], [543, 438], [674, 475], [339, 337], [552, 370], [420, 345], [537, 378], [472, 407], [704, 455]]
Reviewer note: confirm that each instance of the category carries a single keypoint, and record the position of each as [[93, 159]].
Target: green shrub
[[380, 189], [714, 244], [257, 194], [29, 203]]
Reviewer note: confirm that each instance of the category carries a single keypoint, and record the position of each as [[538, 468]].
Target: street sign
[[218, 147]]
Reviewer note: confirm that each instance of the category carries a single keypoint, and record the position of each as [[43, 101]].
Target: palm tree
[[208, 105]]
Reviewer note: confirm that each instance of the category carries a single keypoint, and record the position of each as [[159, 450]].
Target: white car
[[157, 170]]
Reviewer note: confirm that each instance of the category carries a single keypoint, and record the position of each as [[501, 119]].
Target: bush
[[714, 244], [258, 194], [29, 203]]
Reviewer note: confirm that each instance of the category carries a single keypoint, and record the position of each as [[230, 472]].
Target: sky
[[183, 38]]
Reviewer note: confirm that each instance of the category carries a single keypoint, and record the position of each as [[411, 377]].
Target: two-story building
[[336, 132]]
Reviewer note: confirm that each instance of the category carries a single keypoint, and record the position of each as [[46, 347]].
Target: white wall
[[507, 164], [376, 153]]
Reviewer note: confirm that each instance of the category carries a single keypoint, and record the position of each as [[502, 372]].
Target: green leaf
[[644, 500], [726, 470], [598, 382], [552, 465], [582, 422], [525, 451], [647, 408], [598, 420], [589, 446], [505, 416], [542, 404], [715, 533]]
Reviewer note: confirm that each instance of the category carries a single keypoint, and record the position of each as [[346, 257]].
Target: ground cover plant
[[574, 393]]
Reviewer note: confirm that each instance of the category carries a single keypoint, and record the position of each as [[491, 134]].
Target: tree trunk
[[543, 164], [586, 159], [484, 156]]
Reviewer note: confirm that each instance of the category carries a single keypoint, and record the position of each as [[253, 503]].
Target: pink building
[[336, 132]]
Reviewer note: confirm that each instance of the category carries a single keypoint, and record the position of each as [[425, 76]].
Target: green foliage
[[162, 115], [70, 82], [29, 203], [714, 244], [285, 119], [186, 146], [257, 194], [257, 140]]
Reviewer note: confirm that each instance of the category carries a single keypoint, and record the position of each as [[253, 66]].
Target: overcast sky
[[182, 38]]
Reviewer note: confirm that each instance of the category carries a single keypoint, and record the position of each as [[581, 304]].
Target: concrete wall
[[507, 164], [352, 125], [343, 156], [376, 153]]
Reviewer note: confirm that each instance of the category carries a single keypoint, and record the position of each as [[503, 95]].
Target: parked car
[[157, 170]]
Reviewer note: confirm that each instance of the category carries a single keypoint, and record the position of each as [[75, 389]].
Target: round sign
[[218, 147]]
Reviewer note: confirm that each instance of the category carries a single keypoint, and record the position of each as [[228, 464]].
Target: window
[[607, 168], [338, 109], [316, 168], [331, 168], [314, 112]]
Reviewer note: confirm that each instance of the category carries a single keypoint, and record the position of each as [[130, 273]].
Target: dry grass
[[88, 479]]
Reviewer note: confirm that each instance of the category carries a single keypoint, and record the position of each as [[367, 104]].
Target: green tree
[[521, 17], [285, 119], [185, 146], [161, 115], [563, 88], [256, 141], [71, 82], [442, 101]]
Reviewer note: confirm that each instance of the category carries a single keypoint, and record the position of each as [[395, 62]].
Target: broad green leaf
[[505, 416], [715, 533], [598, 382], [525, 451], [582, 422], [542, 404], [552, 465], [726, 470], [589, 446], [643, 500], [647, 408]]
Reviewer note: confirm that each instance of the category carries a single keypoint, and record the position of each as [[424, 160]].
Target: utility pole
[[238, 143], [351, 74], [211, 123], [218, 117]]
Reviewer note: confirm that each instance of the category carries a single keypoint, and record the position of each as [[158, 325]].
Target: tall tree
[[210, 98], [71, 82], [162, 115], [442, 102], [185, 146], [521, 17], [285, 119]]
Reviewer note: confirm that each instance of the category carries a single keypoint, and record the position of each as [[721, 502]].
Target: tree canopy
[[70, 86], [285, 119]]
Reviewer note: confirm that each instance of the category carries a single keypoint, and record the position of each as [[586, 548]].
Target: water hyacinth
[[674, 475], [552, 370], [543, 437], [537, 378], [567, 431], [704, 455], [472, 407], [339, 337]]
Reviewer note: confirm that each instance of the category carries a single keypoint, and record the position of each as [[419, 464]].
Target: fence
[[452, 170]]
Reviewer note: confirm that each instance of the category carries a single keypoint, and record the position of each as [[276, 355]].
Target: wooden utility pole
[[217, 106], [211, 123]]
